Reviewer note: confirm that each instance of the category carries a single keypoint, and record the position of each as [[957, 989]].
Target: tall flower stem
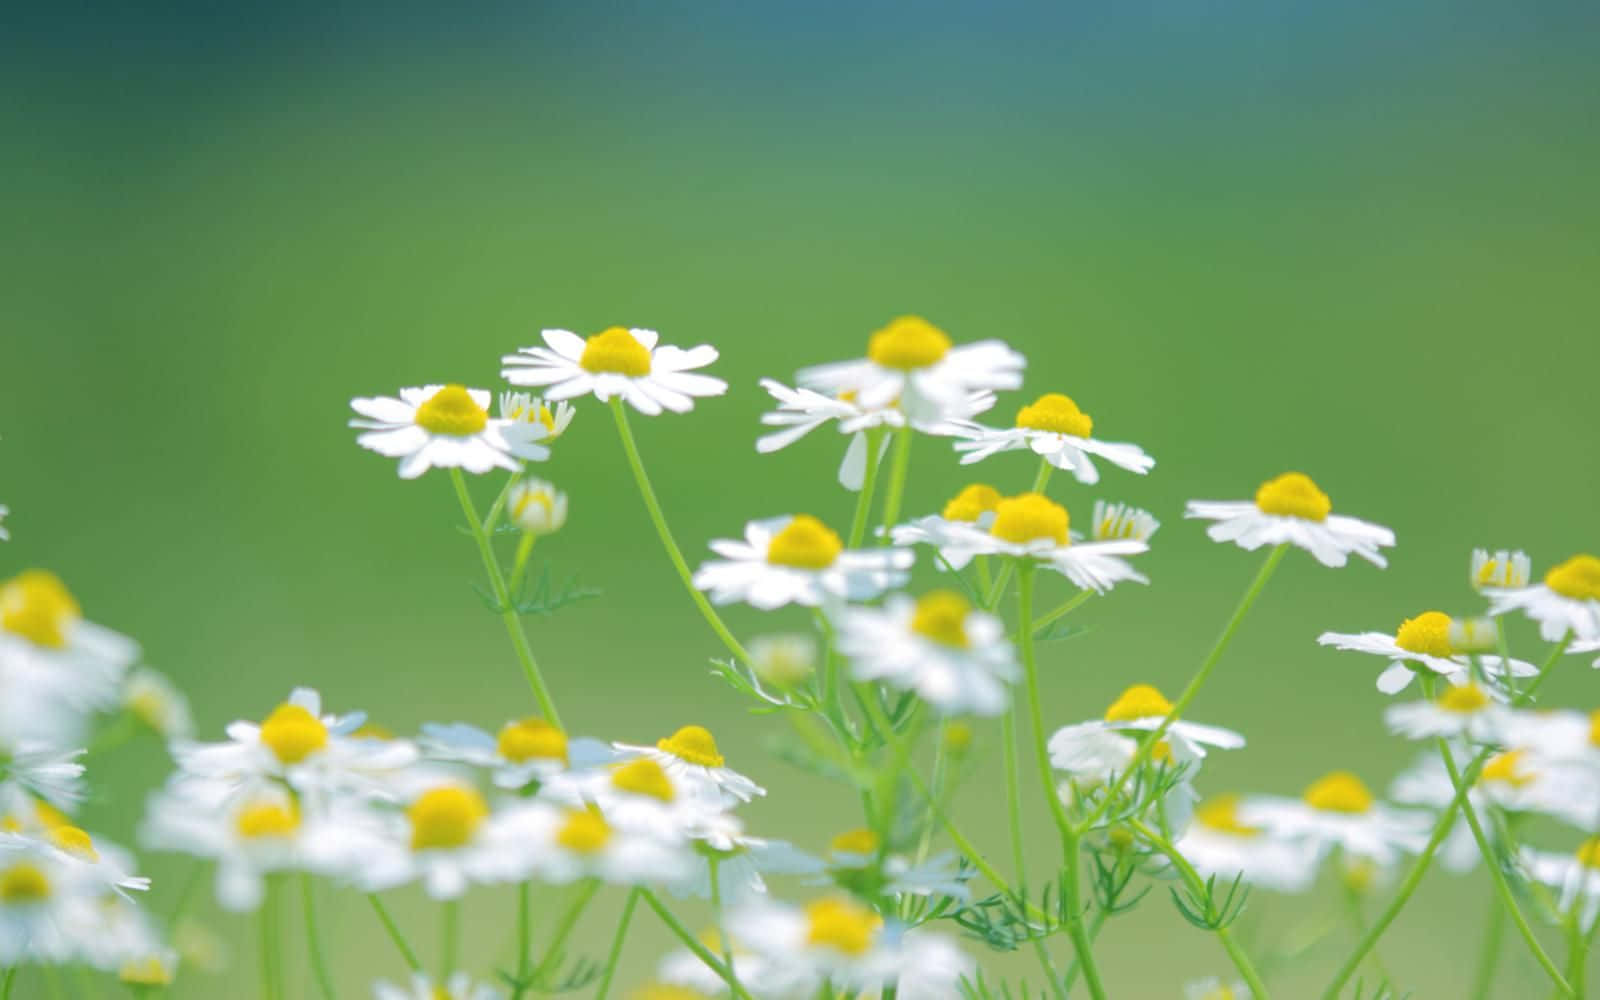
[[524, 936], [1489, 954], [564, 927], [502, 600], [648, 493], [869, 483], [319, 960], [6, 984], [700, 951], [1526, 696], [407, 953], [899, 468], [449, 936], [271, 953], [617, 941]]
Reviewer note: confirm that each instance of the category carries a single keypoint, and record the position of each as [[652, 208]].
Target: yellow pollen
[[972, 503], [10, 824], [1222, 992], [584, 832], [1141, 701], [24, 883], [841, 924], [643, 777], [862, 841], [1340, 792], [1594, 728], [452, 410], [1466, 699], [49, 816], [148, 971], [615, 351], [446, 817], [442, 993], [694, 744], [908, 343], [292, 733], [267, 819], [1029, 517], [531, 739], [1293, 494], [1055, 413], [1222, 814], [1589, 853], [941, 615], [1161, 753], [1577, 578], [667, 991], [36, 605], [1507, 767], [804, 543], [373, 731], [1428, 634], [74, 841]]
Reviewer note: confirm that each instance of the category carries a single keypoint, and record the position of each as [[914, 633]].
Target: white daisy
[[955, 657], [43, 886], [41, 772], [857, 862], [156, 701], [1337, 810], [1566, 603], [533, 419], [973, 507], [1034, 527], [797, 560], [1213, 988], [1575, 877], [742, 860], [1503, 568], [1464, 711], [1113, 521], [616, 362], [1053, 428], [124, 938], [1292, 509], [445, 427], [526, 750], [567, 843], [537, 507], [447, 840], [460, 986], [638, 794], [691, 755], [1219, 844], [1096, 750], [1425, 641], [912, 364]]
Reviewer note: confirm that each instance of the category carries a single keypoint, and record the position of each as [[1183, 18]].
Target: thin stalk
[[524, 935], [1072, 896], [1489, 953], [717, 918], [1030, 667], [319, 960], [395, 935], [1358, 923], [519, 563], [1526, 697], [899, 467], [271, 988], [449, 937], [502, 598], [1066, 607], [1095, 923], [700, 951], [617, 940], [568, 921], [869, 484], [1008, 742], [10, 980]]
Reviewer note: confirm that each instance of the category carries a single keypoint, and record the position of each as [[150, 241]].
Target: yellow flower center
[[841, 924], [1594, 728], [804, 543], [616, 351], [1056, 413], [74, 841], [49, 816], [667, 991], [907, 343], [446, 817], [862, 841], [1293, 494], [1589, 853], [1466, 699], [23, 884], [1507, 768], [1029, 517], [1142, 701], [1340, 792], [292, 733], [958, 737], [972, 503], [694, 744], [643, 777], [1222, 992], [148, 971], [531, 739], [584, 832], [942, 616], [267, 819], [1428, 634], [1222, 815], [36, 605], [452, 410], [1577, 578]]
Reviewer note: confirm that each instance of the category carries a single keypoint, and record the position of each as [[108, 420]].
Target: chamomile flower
[[533, 419], [525, 750], [1291, 509], [638, 794], [1115, 521], [460, 986], [1463, 711], [156, 701], [912, 363], [43, 886], [743, 861], [1219, 843], [248, 833], [1337, 810], [1566, 603], [856, 861], [797, 560], [955, 657], [444, 427], [125, 939], [1097, 749], [1500, 569], [1426, 642], [1575, 877], [616, 362], [41, 772], [537, 507], [784, 660], [1213, 988], [566, 843], [690, 754], [447, 840], [1034, 527], [55, 666], [973, 508], [1053, 428]]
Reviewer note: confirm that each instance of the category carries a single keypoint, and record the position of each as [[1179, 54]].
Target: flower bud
[[783, 660], [1473, 635], [537, 507]]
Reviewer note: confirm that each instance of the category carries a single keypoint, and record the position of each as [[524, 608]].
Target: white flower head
[[691, 755], [47, 886], [954, 656], [912, 364], [1218, 843], [1212, 988], [537, 507], [460, 986], [638, 794], [526, 411], [797, 560], [1291, 509], [448, 839], [1426, 642], [1337, 810], [950, 530], [1053, 428], [1565, 604], [1093, 751], [742, 861], [525, 750], [618, 361], [1575, 877], [785, 660], [155, 701], [566, 843], [444, 427], [1503, 569], [39, 771], [857, 860], [1114, 521], [1463, 711], [5, 535]]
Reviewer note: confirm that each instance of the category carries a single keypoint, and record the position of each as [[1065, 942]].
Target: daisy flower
[[638, 794], [1575, 877], [459, 986], [1501, 569], [1218, 843], [797, 560], [616, 362], [533, 419], [156, 701], [55, 666], [1053, 428], [41, 772], [1337, 810], [1464, 711], [568, 843], [43, 884], [537, 507], [1213, 988], [1291, 509], [1095, 750], [1424, 642], [445, 427], [691, 755], [524, 751], [857, 862], [973, 508], [742, 861], [1114, 521], [1034, 527], [447, 840], [955, 657], [1566, 603]]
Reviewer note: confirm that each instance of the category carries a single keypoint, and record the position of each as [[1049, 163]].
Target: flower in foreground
[[1213, 988], [448, 839], [1053, 428], [1219, 843], [1566, 604], [49, 891], [1337, 810], [1291, 509], [1575, 877], [444, 427], [1035, 528], [691, 754], [954, 656], [616, 362], [568, 843], [1425, 641], [1097, 749], [250, 833], [537, 507], [525, 750], [797, 560]]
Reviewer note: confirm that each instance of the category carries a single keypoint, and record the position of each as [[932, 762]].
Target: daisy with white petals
[[797, 560], [249, 833], [1337, 811], [691, 754], [445, 427], [1291, 509], [1114, 521], [949, 531], [1215, 989], [565, 843], [525, 750], [448, 839], [460, 986], [1034, 527], [1053, 428], [954, 656], [46, 888], [1426, 642], [1566, 604], [1500, 569], [1097, 749], [1218, 843], [616, 362], [1463, 711], [1575, 877]]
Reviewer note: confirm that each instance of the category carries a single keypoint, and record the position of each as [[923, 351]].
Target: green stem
[[395, 935], [985, 581], [717, 918], [502, 599], [449, 936], [319, 961], [1041, 479], [615, 955], [519, 564], [1008, 742], [899, 466], [653, 506], [1068, 606], [869, 484], [700, 951], [1030, 667], [1095, 923], [270, 972], [1489, 953], [1526, 697], [1072, 898], [10, 980], [569, 920], [524, 937], [1358, 923]]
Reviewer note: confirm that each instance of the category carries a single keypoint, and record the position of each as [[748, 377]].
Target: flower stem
[[524, 935], [899, 467], [617, 941], [1008, 742], [395, 935], [569, 920], [869, 483], [319, 960], [648, 493], [1030, 667], [1072, 897], [1526, 697], [9, 981], [1065, 608], [271, 982], [502, 599], [1358, 923], [718, 919], [1489, 954], [449, 936], [700, 951]]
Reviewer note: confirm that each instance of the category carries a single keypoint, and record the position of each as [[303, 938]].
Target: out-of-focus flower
[[1337, 810], [156, 701], [1502, 569], [954, 656], [537, 507], [797, 560], [1566, 604], [691, 754]]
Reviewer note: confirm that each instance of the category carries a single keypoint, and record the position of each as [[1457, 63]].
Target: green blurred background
[[1356, 240]]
